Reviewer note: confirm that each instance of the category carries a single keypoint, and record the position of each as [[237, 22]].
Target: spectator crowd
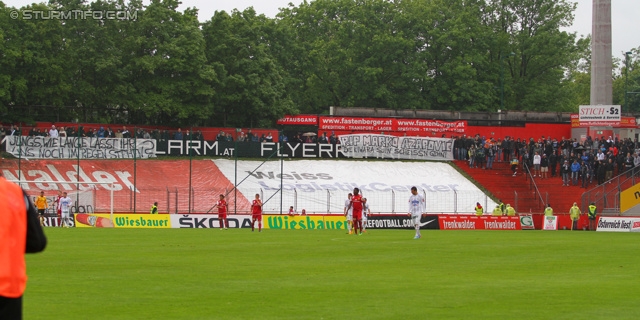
[[575, 162]]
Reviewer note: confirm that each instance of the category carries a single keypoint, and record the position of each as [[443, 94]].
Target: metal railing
[[607, 195], [533, 186]]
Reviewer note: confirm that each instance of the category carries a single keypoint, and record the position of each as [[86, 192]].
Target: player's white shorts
[[415, 219], [65, 214], [364, 217], [349, 216]]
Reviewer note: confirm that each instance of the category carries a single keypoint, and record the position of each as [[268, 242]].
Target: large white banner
[[83, 148], [321, 186], [392, 147]]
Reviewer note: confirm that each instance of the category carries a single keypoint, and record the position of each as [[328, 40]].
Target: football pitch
[[307, 274]]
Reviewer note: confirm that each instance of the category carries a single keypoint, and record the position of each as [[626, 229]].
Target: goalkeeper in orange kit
[[41, 205]]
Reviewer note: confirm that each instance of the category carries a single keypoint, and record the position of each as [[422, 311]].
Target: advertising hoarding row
[[286, 222], [333, 222], [409, 126]]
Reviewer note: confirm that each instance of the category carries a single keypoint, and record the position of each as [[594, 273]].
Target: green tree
[[350, 53], [32, 64], [578, 77], [165, 65], [543, 53], [250, 81], [629, 80], [452, 41]]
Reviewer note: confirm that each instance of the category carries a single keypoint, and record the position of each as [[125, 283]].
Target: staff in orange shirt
[[20, 233]]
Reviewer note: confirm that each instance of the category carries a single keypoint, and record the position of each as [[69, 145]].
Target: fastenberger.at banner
[[469, 222], [390, 124], [384, 146]]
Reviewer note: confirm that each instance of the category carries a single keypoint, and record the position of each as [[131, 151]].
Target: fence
[[607, 195], [176, 201]]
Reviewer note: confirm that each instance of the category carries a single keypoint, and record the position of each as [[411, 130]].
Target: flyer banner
[[550, 223], [391, 147], [612, 224], [79, 147], [471, 222], [401, 221], [154, 221], [315, 222], [196, 221]]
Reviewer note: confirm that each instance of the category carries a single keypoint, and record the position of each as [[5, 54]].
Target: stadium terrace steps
[[502, 185], [561, 198]]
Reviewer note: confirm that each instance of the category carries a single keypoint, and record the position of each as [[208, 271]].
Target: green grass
[[301, 274]]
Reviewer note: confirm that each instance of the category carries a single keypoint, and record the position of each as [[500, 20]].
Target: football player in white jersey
[[365, 213], [348, 212], [416, 209], [65, 208]]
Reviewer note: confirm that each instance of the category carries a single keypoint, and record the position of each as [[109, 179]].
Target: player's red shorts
[[222, 215], [257, 216], [357, 215]]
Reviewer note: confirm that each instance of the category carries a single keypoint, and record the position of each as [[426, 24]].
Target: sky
[[624, 16]]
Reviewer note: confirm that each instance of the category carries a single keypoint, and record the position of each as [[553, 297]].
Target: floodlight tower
[[601, 63]]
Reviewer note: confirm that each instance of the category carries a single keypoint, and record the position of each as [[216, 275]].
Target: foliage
[[628, 78], [245, 69]]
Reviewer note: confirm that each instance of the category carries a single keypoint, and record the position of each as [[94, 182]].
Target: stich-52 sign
[[610, 115]]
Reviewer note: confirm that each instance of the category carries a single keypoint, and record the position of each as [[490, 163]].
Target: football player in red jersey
[[222, 212], [256, 213], [356, 204]]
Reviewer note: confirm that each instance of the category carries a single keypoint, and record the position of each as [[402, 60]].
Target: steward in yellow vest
[[479, 209], [592, 216], [548, 211]]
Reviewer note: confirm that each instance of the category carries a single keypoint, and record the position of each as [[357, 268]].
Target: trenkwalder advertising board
[[471, 222], [401, 221]]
